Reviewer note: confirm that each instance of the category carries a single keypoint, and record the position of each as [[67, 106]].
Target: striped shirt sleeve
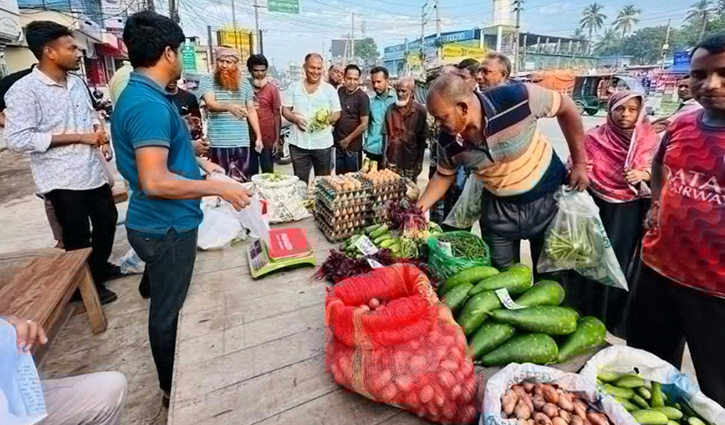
[[544, 103], [205, 86]]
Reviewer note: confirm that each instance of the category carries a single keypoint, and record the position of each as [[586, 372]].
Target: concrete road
[[549, 127]]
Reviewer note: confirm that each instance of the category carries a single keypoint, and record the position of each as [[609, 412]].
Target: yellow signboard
[[241, 39], [458, 51], [413, 59]]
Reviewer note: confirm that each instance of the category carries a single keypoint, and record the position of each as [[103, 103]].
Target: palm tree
[[607, 41], [626, 19], [579, 34], [592, 20], [699, 14]]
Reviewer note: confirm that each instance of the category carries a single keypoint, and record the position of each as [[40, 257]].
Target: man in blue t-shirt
[[154, 153]]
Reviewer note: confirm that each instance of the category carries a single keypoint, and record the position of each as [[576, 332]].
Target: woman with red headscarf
[[620, 156]]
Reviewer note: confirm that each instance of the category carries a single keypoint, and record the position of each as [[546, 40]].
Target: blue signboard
[[680, 62]]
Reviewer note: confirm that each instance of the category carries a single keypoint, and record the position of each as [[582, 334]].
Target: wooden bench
[[39, 284]]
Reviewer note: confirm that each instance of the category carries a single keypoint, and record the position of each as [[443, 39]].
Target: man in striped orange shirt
[[495, 134]]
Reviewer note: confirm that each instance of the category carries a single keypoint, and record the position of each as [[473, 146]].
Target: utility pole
[[352, 38], [174, 11], [704, 24], [422, 36], [211, 49], [436, 6], [258, 47], [666, 46], [234, 25], [517, 35]]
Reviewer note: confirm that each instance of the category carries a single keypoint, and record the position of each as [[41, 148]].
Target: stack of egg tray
[[340, 213]]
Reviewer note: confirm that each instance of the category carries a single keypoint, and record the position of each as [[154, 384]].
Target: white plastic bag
[[286, 203], [515, 373], [468, 209], [131, 263], [220, 226], [252, 219], [623, 359], [576, 240]]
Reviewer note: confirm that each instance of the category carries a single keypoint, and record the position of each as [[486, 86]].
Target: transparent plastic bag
[[220, 226], [468, 209], [131, 263], [576, 240]]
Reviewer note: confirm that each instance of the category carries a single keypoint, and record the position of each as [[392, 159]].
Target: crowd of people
[[659, 201]]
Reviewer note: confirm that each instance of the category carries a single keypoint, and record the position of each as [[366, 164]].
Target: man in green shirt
[[384, 97]]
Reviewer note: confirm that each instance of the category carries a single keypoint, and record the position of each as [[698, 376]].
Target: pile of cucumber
[[379, 235], [646, 401], [498, 335]]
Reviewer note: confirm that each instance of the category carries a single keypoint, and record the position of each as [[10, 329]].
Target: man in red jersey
[[679, 294]]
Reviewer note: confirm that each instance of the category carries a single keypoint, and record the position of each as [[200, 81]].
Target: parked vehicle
[[283, 156], [591, 92]]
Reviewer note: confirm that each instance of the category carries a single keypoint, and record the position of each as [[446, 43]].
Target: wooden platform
[[252, 351]]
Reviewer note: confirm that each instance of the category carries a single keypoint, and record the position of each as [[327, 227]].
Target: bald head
[[453, 104], [450, 87]]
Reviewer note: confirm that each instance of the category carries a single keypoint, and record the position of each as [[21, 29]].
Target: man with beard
[[494, 71], [352, 123], [154, 154], [384, 97], [405, 132], [335, 76], [495, 134], [50, 115], [229, 99], [312, 106], [267, 103]]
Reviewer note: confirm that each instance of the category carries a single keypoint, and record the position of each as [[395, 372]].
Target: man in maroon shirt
[[267, 101]]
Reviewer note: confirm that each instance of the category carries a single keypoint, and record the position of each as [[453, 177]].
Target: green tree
[[367, 50], [700, 15], [608, 42], [592, 20], [627, 18], [645, 45], [579, 34]]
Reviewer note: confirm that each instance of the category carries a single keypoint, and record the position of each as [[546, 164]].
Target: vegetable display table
[[252, 351]]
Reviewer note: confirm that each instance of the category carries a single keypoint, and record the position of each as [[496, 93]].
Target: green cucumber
[[628, 405], [608, 376], [639, 401], [630, 380], [476, 309], [650, 417], [379, 231], [546, 292], [657, 399], [489, 337], [670, 412], [552, 320], [372, 228], [694, 420], [531, 348], [644, 392], [672, 423], [590, 332], [626, 393], [381, 238], [388, 242], [456, 297], [472, 275], [516, 280]]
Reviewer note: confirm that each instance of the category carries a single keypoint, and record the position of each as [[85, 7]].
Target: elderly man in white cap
[[229, 99]]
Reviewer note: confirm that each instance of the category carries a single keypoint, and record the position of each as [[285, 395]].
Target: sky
[[288, 37]]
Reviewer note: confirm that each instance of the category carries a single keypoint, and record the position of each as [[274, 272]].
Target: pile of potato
[[343, 183], [380, 177], [546, 404]]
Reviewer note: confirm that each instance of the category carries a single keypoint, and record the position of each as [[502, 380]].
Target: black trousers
[[347, 161], [665, 315], [266, 160], [79, 210], [304, 160], [504, 224], [169, 266]]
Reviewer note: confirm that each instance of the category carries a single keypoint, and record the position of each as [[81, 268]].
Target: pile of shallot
[[546, 404]]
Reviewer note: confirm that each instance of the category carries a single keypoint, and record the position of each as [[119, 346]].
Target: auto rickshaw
[[591, 92]]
